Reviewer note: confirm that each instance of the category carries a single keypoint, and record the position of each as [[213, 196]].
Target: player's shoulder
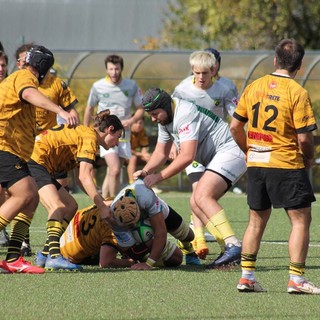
[[183, 103], [220, 85], [52, 79], [128, 83], [186, 82], [100, 82], [23, 75], [85, 130], [226, 81]]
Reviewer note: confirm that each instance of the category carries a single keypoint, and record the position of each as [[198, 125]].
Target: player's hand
[[141, 266], [152, 179], [173, 153], [71, 120], [105, 213], [126, 123], [140, 174]]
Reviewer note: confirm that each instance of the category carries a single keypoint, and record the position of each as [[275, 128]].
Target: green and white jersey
[[219, 98], [117, 98], [192, 122], [149, 203]]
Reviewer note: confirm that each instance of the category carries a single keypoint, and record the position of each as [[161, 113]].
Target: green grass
[[181, 293]]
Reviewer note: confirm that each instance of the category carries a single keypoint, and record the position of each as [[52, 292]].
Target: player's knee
[[171, 256], [114, 172], [175, 260], [183, 232]]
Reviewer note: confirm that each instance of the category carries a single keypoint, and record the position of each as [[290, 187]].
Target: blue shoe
[[60, 263], [231, 256], [40, 259], [192, 259]]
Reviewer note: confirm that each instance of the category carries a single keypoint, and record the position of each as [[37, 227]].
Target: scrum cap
[[41, 59], [126, 210], [156, 98]]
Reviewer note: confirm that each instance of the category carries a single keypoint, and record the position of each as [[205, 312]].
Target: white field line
[[280, 243]]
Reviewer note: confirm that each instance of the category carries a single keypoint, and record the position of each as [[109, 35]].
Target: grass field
[[182, 293]]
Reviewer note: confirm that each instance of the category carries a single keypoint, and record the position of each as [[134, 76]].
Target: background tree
[[240, 25]]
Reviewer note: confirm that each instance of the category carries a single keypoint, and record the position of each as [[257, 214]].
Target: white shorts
[[230, 164], [123, 150]]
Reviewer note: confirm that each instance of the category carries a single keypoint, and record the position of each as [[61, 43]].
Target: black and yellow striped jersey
[[17, 117], [85, 235], [58, 92], [60, 149], [278, 109]]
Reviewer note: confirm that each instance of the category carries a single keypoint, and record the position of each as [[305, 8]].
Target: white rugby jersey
[[219, 98], [118, 98], [192, 122], [230, 85], [149, 203]]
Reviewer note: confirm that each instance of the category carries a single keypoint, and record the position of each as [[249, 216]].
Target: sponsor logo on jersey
[[185, 129], [216, 102], [272, 84], [261, 94], [260, 136]]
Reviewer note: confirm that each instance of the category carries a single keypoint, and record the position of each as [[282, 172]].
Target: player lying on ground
[[90, 240], [135, 203]]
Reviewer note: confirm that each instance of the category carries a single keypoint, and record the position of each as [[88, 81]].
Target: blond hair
[[202, 59]]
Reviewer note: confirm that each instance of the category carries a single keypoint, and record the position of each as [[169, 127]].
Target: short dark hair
[[104, 120], [115, 59], [289, 54], [24, 48]]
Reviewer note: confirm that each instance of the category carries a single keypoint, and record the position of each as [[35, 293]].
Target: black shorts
[[61, 175], [41, 175], [12, 169], [280, 188], [173, 220]]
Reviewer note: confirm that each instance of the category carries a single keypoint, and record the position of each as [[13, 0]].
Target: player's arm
[[36, 98], [74, 113], [157, 159], [238, 133], [137, 116], [187, 153], [108, 258], [306, 145], [159, 241], [87, 115], [89, 186], [144, 154]]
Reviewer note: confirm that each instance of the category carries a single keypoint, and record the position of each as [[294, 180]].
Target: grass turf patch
[[181, 293]]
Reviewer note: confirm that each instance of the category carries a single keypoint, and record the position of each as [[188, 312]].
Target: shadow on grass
[[184, 268]]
